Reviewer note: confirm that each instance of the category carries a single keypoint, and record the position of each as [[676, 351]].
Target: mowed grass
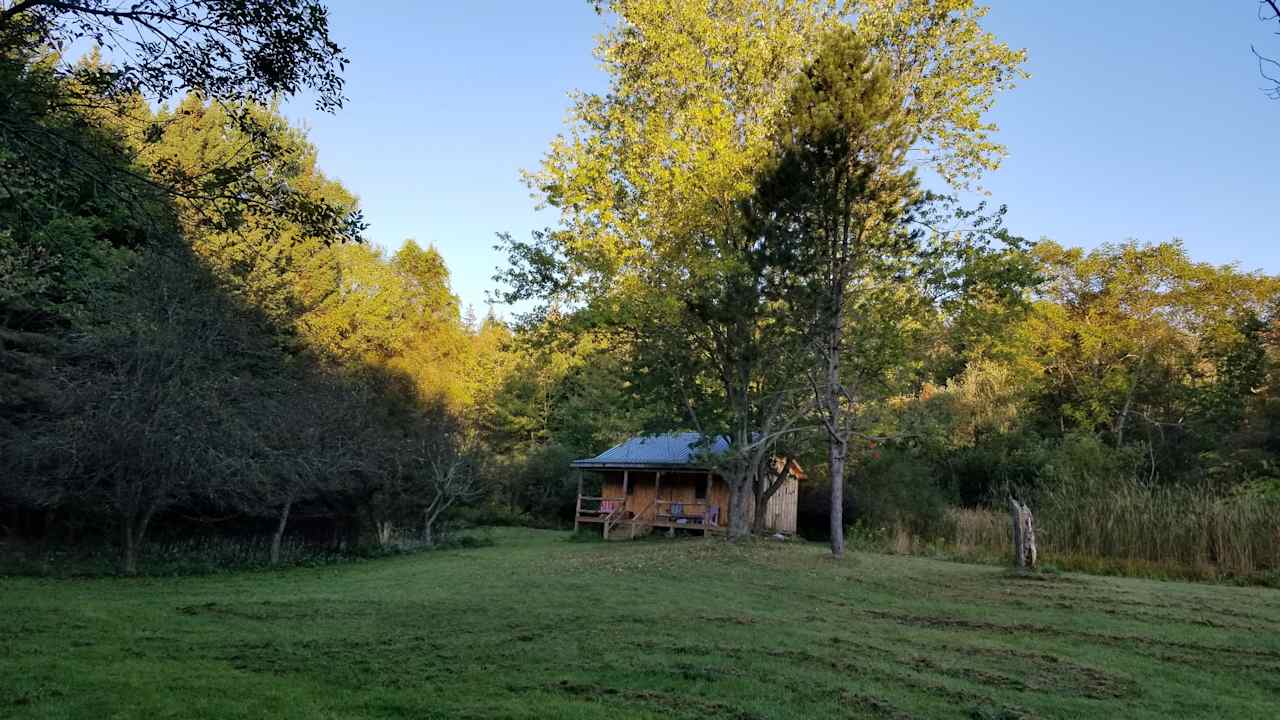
[[536, 627]]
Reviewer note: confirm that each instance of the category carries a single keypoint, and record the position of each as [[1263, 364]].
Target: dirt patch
[[704, 673], [1042, 579], [268, 610], [932, 621], [1036, 596], [728, 619], [917, 674], [1029, 672], [987, 712], [873, 705], [671, 705], [687, 649], [1192, 653]]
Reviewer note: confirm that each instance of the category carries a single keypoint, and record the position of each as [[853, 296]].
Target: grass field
[[536, 627]]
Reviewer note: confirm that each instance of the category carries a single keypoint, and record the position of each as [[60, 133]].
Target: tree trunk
[[838, 448], [760, 524], [1128, 401], [739, 521], [280, 526], [439, 505], [384, 528], [1024, 535], [764, 494], [135, 531], [352, 531], [759, 503], [836, 458], [129, 557], [1029, 538]]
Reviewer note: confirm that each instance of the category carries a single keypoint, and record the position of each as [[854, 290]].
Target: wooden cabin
[[663, 481]]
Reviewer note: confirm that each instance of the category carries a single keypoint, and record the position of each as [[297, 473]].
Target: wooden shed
[[663, 481]]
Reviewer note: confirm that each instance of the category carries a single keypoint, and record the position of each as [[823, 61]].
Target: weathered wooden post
[[1024, 535], [1029, 537]]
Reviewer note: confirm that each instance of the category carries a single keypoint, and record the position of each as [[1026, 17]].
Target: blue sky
[[1142, 119]]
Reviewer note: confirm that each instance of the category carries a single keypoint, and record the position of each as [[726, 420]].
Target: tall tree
[[838, 195], [865, 250], [649, 182], [911, 80]]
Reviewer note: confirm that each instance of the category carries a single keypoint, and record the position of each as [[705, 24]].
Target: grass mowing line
[[536, 627]]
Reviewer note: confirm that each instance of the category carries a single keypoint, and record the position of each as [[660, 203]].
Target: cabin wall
[[642, 493], [679, 486], [719, 495]]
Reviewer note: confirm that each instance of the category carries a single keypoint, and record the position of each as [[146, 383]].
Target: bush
[[540, 484], [492, 515], [898, 489], [1085, 462]]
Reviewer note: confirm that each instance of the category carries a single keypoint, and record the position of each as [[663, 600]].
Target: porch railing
[[640, 517], [698, 512], [615, 517], [599, 501]]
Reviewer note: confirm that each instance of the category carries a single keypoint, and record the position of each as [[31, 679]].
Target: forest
[[766, 229]]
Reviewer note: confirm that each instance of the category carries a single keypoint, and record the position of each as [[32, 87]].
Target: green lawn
[[535, 627]]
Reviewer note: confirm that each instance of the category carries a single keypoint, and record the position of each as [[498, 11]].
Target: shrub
[[898, 489], [492, 515]]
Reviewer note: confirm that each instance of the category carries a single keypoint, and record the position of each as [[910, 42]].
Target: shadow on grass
[[207, 556]]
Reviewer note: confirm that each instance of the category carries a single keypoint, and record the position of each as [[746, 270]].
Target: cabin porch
[[641, 501]]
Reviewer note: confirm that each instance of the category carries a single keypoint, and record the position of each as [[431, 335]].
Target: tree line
[[192, 325]]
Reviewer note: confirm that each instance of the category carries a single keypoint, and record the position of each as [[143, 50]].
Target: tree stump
[[1024, 535]]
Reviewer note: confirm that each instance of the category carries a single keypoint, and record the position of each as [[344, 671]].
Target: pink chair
[[608, 506]]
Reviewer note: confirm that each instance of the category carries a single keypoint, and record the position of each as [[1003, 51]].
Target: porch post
[[706, 509], [577, 511], [657, 492]]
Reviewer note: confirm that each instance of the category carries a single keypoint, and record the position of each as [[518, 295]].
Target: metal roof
[[670, 450]]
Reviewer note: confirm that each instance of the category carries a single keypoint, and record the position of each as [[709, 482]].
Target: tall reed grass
[[1189, 526], [1129, 528]]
